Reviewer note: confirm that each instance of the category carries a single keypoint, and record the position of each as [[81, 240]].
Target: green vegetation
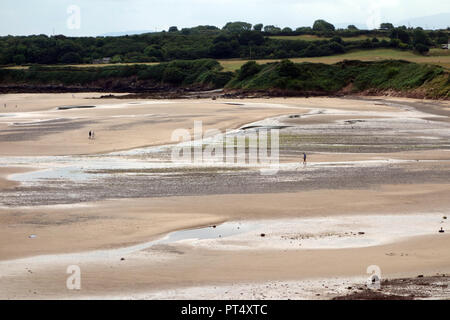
[[286, 76], [309, 37], [236, 40], [435, 56], [204, 73], [323, 26], [355, 76]]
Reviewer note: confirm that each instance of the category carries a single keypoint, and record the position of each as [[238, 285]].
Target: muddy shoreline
[[421, 287], [386, 161], [166, 92], [148, 185]]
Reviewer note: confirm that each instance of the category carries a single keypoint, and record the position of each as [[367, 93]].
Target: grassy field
[[308, 37], [437, 56], [88, 65]]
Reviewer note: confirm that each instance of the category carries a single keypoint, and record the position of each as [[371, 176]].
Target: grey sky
[[24, 17]]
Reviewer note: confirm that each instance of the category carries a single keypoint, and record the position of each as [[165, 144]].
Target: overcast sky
[[25, 17]]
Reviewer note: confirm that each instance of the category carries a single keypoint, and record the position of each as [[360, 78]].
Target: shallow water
[[227, 229], [221, 231], [224, 230]]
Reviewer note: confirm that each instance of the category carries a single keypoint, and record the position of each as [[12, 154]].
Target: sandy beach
[[140, 226]]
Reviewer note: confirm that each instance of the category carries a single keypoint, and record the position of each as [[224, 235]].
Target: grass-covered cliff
[[402, 77], [200, 74], [395, 77]]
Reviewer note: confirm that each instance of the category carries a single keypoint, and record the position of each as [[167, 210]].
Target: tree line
[[234, 40]]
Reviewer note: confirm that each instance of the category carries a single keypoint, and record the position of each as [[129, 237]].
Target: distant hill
[[437, 21]]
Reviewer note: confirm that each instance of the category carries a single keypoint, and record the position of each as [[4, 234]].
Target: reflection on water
[[224, 230], [221, 231]]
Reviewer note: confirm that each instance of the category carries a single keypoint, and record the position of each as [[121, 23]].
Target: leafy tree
[[186, 31], [336, 47], [237, 27], [304, 29], [70, 57], [173, 75], [421, 41], [253, 37], [352, 27], [386, 26], [258, 27], [153, 51], [288, 69], [272, 29], [221, 49], [19, 59], [419, 36], [248, 69], [173, 29], [421, 48], [401, 34], [323, 26], [336, 39], [442, 39]]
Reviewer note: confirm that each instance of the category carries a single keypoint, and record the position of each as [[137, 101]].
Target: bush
[[248, 69], [421, 48]]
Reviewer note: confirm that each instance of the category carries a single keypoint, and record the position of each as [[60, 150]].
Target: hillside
[[197, 74], [236, 40], [277, 78], [350, 77]]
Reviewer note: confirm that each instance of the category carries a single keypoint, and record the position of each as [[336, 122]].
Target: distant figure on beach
[[90, 135], [304, 158], [93, 135]]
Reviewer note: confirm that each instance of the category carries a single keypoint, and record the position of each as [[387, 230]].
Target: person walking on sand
[[304, 158], [90, 135]]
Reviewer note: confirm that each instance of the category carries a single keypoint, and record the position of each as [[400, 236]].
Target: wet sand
[[5, 172], [118, 125], [116, 223], [159, 270], [374, 158]]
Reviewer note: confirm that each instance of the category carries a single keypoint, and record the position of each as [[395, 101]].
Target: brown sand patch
[[115, 223], [5, 172]]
